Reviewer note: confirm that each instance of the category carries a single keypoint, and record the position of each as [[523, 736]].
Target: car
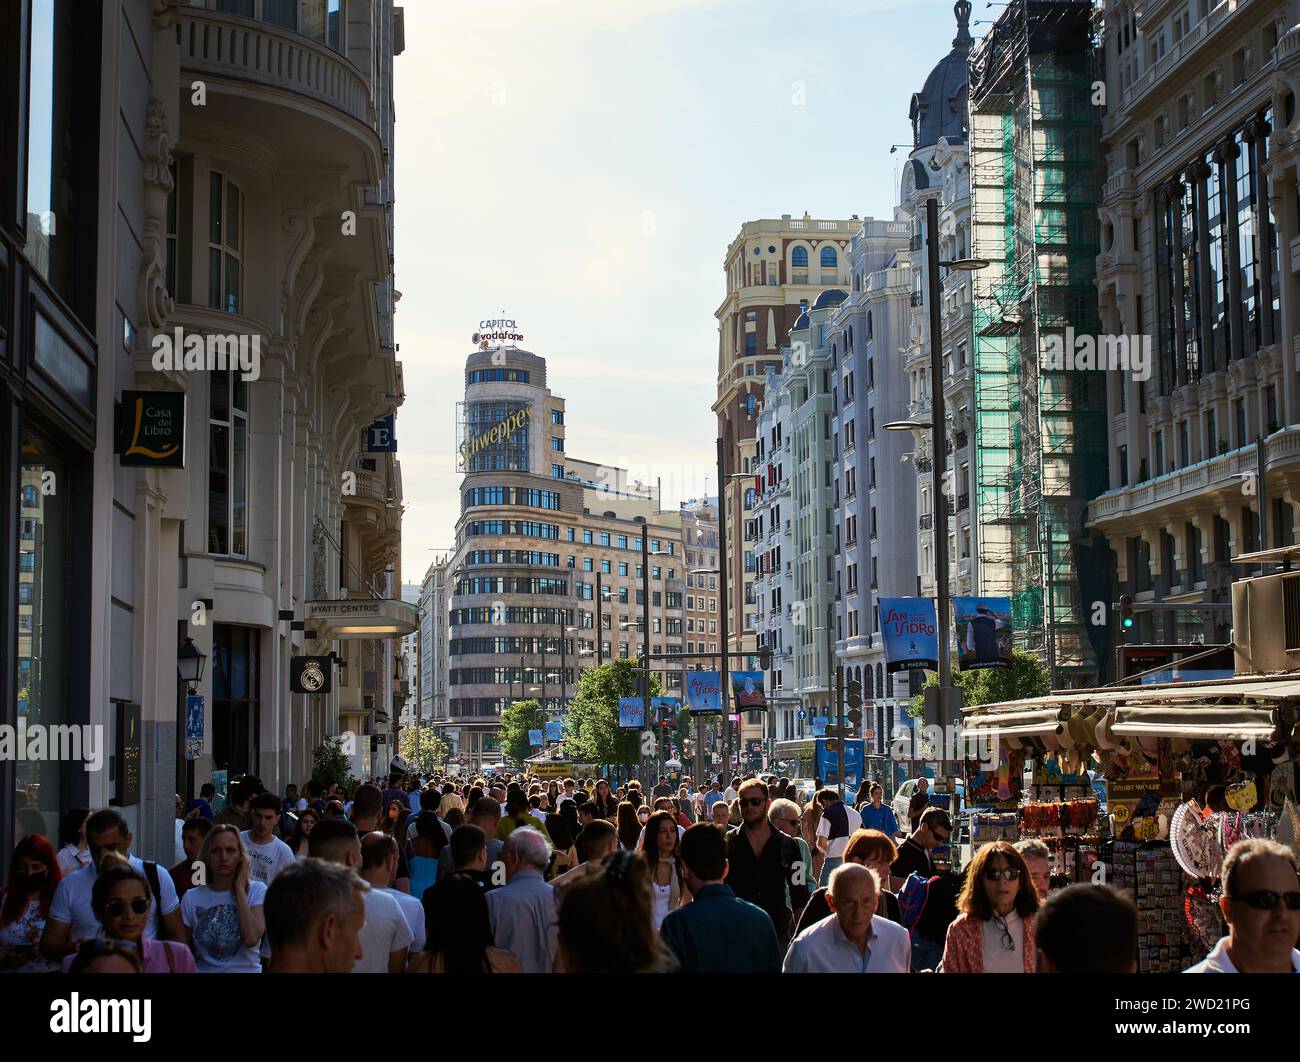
[[902, 801]]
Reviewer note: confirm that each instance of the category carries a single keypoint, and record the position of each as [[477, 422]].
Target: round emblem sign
[[313, 678]]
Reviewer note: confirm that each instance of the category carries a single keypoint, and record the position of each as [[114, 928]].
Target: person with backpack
[[72, 917]]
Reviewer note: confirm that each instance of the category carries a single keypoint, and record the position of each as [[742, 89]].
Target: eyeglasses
[[117, 908], [941, 838], [1267, 899], [1001, 873], [1008, 941], [753, 802]]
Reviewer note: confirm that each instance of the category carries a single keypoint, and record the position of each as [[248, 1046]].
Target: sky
[[580, 166]]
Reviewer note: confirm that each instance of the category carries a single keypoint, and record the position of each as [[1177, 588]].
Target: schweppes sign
[[496, 434]]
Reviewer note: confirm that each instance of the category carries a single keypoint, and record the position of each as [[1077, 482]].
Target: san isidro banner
[[983, 631], [910, 630], [704, 692], [631, 713], [535, 738]]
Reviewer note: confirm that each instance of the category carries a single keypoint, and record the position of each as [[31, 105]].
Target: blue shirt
[[823, 948], [879, 818], [524, 920], [720, 933], [712, 797]]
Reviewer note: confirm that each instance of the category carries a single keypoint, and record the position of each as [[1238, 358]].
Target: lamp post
[[189, 672], [939, 435]]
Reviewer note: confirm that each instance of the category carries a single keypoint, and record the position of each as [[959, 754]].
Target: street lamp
[[189, 664]]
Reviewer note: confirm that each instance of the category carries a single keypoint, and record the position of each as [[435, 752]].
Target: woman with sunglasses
[[994, 933], [25, 905], [121, 899], [307, 820]]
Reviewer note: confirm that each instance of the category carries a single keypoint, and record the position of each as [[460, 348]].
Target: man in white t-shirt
[[379, 868], [385, 937], [838, 823], [71, 919], [267, 854]]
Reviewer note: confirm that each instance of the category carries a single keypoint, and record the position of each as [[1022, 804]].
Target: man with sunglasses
[[766, 865], [1261, 903], [932, 831]]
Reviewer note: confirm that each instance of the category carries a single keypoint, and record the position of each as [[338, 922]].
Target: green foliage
[[421, 747], [330, 765], [519, 718], [1026, 677], [591, 730]]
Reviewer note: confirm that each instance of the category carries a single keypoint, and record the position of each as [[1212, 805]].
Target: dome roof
[[939, 109], [830, 297], [803, 322]]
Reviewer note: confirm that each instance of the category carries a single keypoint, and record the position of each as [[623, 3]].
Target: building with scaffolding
[[1038, 425]]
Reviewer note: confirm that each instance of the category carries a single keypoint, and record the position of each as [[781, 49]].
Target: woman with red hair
[[24, 904]]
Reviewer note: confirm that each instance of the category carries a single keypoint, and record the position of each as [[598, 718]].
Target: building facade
[[172, 181], [1199, 256], [541, 538]]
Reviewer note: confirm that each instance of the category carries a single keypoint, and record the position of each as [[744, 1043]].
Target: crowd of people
[[515, 874]]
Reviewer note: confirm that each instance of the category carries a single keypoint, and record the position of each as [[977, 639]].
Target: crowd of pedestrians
[[513, 874]]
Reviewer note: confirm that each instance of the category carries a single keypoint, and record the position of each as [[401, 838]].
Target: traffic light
[[854, 699], [1126, 618]]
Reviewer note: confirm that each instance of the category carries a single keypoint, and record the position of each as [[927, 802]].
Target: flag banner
[[909, 629], [819, 725], [747, 691], [534, 737], [704, 692], [631, 713], [554, 731], [983, 631]]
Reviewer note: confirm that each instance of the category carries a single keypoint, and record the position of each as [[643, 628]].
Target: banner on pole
[[631, 713], [554, 731], [704, 692], [983, 631], [535, 737], [747, 691], [910, 632]]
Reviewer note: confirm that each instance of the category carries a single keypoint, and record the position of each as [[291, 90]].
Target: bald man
[[853, 939]]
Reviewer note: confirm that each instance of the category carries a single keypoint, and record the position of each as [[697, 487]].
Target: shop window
[[228, 466], [235, 705]]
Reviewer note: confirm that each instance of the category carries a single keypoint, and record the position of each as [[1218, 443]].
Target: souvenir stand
[[1160, 754]]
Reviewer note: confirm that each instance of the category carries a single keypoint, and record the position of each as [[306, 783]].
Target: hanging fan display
[[1204, 919], [1288, 827], [1192, 843]]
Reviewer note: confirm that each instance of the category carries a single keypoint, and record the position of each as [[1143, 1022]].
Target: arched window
[[829, 258], [799, 258]]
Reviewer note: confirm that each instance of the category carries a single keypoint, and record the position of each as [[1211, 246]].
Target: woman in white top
[[73, 855], [659, 847], [223, 919]]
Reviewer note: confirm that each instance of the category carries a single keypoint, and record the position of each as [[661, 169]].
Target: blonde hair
[[213, 834]]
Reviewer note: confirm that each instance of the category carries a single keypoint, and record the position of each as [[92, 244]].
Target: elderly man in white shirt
[[1261, 903], [854, 939]]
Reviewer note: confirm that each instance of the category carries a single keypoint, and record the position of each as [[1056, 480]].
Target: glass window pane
[[218, 489], [232, 216], [232, 285], [214, 278], [313, 19], [220, 396], [281, 13], [239, 488], [214, 208], [42, 592]]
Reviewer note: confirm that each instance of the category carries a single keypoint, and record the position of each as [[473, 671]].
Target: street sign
[[193, 726], [801, 714]]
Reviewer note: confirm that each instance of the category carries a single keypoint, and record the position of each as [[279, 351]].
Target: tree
[[519, 718], [329, 764], [1026, 677], [421, 747], [591, 730]]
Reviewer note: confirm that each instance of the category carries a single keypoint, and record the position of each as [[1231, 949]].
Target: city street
[[835, 511]]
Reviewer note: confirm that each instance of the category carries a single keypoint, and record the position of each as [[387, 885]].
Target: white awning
[[1206, 721], [363, 618], [1029, 723]]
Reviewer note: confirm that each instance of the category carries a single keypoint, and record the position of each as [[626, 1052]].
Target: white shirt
[[71, 902], [835, 848], [823, 948], [71, 859], [385, 932], [1218, 960], [413, 912], [730, 794], [212, 918], [997, 957], [265, 861], [179, 853]]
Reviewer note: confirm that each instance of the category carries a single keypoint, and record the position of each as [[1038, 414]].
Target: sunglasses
[[1001, 873], [1267, 899], [117, 908], [753, 802]]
